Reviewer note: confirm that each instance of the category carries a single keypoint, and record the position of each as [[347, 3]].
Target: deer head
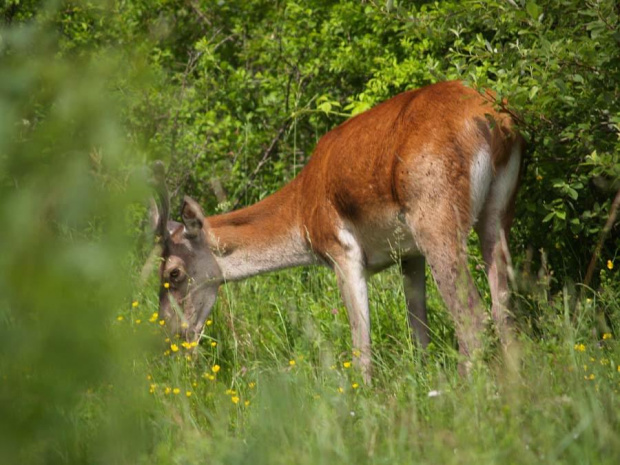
[[189, 275]]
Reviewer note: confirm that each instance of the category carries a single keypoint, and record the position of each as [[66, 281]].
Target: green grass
[[560, 405]]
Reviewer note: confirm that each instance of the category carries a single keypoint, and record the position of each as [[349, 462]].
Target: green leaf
[[533, 10]]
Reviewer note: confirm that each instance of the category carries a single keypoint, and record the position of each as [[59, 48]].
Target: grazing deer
[[412, 175]]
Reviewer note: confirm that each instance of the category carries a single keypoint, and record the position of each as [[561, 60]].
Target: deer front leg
[[351, 279], [414, 283]]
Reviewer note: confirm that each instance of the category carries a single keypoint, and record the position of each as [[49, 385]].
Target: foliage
[[234, 95]]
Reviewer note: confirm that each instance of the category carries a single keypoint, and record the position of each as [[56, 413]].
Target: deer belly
[[386, 243]]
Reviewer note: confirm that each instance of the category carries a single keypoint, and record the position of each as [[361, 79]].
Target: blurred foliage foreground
[[233, 95]]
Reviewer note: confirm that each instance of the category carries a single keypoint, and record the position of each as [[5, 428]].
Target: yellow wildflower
[[162, 322], [138, 321], [184, 325], [149, 377], [235, 399], [167, 285], [231, 392], [134, 304], [246, 403], [356, 353], [152, 388], [120, 318], [340, 390], [167, 390], [607, 336], [174, 348], [167, 352], [213, 343], [185, 345], [188, 393], [209, 322], [251, 385], [175, 391], [167, 339], [355, 385], [153, 318], [580, 347], [610, 264], [346, 364], [291, 363], [208, 376], [215, 368]]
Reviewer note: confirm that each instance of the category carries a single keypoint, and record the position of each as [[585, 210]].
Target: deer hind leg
[[446, 253], [493, 243], [414, 283], [350, 274], [493, 228]]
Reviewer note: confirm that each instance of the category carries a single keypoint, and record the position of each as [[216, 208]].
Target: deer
[[414, 174]]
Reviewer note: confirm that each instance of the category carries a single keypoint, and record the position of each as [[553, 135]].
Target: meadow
[[273, 382], [233, 96]]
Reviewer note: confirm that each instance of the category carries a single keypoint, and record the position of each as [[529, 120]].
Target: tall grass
[[282, 345], [87, 374]]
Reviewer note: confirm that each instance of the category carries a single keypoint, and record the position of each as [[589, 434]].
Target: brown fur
[[395, 177]]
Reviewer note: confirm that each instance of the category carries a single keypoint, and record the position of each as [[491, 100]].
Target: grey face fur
[[189, 274]]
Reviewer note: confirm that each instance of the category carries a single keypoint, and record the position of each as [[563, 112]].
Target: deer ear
[[153, 214], [193, 217]]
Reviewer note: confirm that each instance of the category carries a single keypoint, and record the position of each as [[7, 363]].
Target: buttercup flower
[[610, 264], [580, 347], [215, 368], [346, 364], [175, 391], [606, 336], [235, 399], [134, 304]]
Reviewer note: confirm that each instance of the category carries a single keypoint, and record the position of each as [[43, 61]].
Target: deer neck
[[266, 236]]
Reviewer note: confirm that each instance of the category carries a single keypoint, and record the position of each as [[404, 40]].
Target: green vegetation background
[[233, 96]]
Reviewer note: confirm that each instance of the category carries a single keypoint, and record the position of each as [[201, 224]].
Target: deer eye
[[174, 274]]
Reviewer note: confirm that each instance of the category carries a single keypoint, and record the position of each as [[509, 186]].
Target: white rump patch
[[480, 177], [505, 182]]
